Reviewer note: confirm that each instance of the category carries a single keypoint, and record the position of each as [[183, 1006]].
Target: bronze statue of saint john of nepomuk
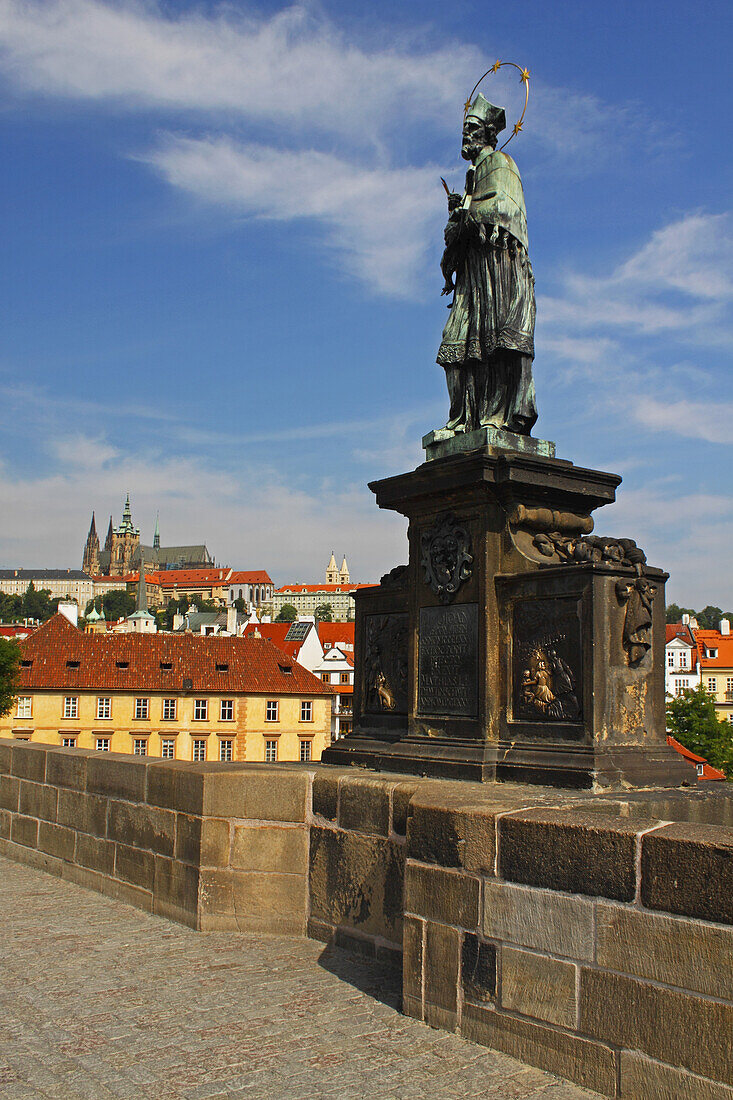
[[488, 342]]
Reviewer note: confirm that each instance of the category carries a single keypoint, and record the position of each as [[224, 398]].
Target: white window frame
[[198, 705], [226, 704], [104, 707], [169, 703], [69, 741], [71, 706], [271, 752], [24, 706], [139, 746], [670, 659], [306, 750], [306, 710], [198, 751], [102, 744], [168, 748], [226, 749], [712, 685], [142, 709], [272, 710]]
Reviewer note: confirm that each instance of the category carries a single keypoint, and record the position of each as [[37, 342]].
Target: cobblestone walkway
[[99, 1000]]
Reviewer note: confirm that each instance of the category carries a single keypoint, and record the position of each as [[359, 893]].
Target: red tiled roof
[[258, 576], [336, 633], [275, 633], [713, 639], [183, 578], [681, 631], [16, 630], [708, 771], [253, 665]]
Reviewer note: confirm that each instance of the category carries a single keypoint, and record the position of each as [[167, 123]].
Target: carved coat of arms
[[446, 556]]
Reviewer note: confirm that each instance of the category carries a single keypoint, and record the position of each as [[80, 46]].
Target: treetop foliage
[[9, 664], [692, 720]]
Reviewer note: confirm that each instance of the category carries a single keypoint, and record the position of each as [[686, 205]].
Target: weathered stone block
[[5, 824], [38, 800], [29, 761], [271, 903], [677, 1028], [577, 851], [110, 887], [67, 768], [31, 857], [95, 853], [270, 848], [6, 755], [666, 949], [641, 1078], [142, 827], [446, 897], [135, 866], [176, 785], [56, 840], [117, 776], [412, 958], [688, 869], [319, 930], [452, 835], [538, 919], [478, 969], [535, 985], [9, 793], [24, 830], [401, 810], [349, 940], [412, 1006], [269, 795], [590, 1064], [357, 881], [216, 896], [203, 841], [85, 812], [176, 890], [364, 805], [325, 793]]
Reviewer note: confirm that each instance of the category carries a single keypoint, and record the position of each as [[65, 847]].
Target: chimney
[[685, 619], [725, 627], [231, 620], [177, 621]]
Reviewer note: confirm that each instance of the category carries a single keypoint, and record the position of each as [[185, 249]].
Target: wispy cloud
[[708, 420]]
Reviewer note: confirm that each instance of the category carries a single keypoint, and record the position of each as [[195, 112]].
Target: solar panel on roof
[[297, 632]]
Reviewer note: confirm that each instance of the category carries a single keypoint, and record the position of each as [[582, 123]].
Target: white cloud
[[254, 520], [380, 219], [711, 421]]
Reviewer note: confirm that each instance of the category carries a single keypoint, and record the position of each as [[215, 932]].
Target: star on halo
[[525, 76], [495, 67]]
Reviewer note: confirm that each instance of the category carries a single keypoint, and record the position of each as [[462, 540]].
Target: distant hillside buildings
[[123, 550], [337, 593]]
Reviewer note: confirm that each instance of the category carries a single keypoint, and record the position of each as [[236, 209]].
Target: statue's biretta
[[487, 112]]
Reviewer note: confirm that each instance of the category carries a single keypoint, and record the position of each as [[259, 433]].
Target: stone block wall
[[587, 935], [594, 945]]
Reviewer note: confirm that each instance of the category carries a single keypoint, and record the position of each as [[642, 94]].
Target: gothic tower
[[90, 560], [332, 573], [125, 541], [344, 573]]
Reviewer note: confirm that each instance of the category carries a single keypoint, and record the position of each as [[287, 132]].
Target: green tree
[[117, 605], [37, 603], [692, 720], [11, 608], [709, 618], [288, 614], [675, 612], [324, 613], [240, 604], [9, 662]]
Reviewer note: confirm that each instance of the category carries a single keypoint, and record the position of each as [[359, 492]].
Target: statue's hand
[[454, 201], [448, 288]]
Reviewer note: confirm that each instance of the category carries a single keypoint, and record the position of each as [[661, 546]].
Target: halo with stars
[[524, 77]]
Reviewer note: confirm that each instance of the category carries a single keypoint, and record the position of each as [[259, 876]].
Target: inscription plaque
[[547, 681], [447, 681]]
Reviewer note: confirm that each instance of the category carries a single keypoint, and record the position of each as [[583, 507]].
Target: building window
[[305, 750], [271, 752], [71, 706], [344, 677], [199, 751], [326, 677], [68, 742], [226, 710], [104, 706], [729, 683], [23, 709], [679, 686], [200, 710], [712, 686], [226, 750], [168, 748], [683, 659], [670, 659], [272, 710], [140, 746], [142, 709], [169, 710], [102, 744], [306, 711]]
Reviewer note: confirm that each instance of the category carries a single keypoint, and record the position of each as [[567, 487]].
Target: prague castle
[[123, 552]]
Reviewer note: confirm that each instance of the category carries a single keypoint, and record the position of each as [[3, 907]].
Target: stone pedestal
[[511, 646]]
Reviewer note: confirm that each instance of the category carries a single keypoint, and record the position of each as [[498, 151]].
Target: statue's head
[[481, 127]]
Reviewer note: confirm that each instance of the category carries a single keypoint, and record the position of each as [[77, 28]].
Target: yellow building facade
[[152, 695]]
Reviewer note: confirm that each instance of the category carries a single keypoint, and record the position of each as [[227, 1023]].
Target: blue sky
[[220, 286]]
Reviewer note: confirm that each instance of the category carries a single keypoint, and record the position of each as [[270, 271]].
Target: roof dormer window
[[122, 664], [72, 664], [287, 669], [222, 668]]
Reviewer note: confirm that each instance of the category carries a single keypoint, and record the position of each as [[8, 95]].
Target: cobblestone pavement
[[100, 1000]]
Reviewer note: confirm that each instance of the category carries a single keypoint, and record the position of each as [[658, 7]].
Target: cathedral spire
[[141, 603], [156, 534], [110, 535], [90, 559], [332, 570]]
